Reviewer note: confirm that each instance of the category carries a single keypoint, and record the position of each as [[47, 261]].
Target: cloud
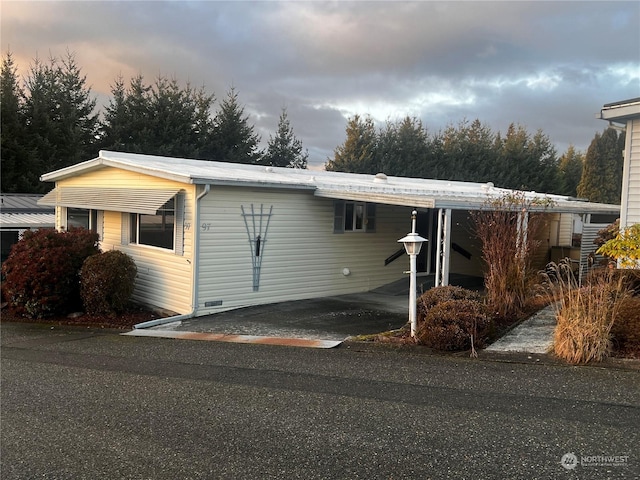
[[548, 65]]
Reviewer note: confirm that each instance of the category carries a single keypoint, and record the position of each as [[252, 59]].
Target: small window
[[84, 218], [154, 230], [78, 218], [354, 217]]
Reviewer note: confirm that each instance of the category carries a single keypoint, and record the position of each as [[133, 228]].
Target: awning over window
[[110, 199]]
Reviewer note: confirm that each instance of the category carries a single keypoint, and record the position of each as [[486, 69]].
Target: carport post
[[412, 244]]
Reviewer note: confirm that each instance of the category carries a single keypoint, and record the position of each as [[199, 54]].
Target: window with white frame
[[85, 218], [154, 230], [82, 218], [352, 216]]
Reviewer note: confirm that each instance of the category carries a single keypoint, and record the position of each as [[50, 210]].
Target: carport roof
[[21, 210], [411, 192]]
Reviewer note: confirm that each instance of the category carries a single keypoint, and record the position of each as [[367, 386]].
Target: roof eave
[[250, 184], [620, 111]]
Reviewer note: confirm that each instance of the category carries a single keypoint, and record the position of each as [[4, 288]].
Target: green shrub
[[624, 247], [41, 273], [107, 281], [455, 325]]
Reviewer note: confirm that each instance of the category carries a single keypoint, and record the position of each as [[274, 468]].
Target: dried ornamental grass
[[585, 315]]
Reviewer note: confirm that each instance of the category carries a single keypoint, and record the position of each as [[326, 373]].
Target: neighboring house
[[211, 236], [20, 212], [627, 113]]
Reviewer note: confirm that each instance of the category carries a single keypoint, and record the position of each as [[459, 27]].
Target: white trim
[[626, 175], [443, 249], [402, 191]]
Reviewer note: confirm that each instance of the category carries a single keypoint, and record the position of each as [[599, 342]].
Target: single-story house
[[212, 236], [20, 212], [627, 113]]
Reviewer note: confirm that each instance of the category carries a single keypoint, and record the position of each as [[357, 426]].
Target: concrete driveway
[[327, 318]]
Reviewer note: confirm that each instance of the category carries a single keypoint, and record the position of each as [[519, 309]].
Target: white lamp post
[[412, 244]]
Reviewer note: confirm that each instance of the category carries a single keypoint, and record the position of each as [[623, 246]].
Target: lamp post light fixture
[[412, 245]]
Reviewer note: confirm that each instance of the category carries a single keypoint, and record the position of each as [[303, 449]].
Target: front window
[[354, 217], [82, 218], [155, 230], [78, 218]]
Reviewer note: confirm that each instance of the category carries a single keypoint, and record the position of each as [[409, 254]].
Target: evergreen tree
[[526, 163], [469, 153], [40, 121], [544, 175], [179, 121], [402, 148], [114, 132], [59, 120], [163, 119], [285, 150], [570, 171], [601, 179], [358, 152], [233, 139], [18, 173], [77, 124]]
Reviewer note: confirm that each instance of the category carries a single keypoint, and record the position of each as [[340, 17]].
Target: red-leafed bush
[[41, 273], [107, 281]]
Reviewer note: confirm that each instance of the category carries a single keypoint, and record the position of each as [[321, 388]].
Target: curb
[[220, 337]]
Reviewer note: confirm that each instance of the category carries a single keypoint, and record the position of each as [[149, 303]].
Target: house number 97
[[206, 227]]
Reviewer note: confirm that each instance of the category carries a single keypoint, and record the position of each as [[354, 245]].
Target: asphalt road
[[81, 404]]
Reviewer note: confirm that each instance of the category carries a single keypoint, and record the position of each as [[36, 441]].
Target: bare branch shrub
[[507, 228]]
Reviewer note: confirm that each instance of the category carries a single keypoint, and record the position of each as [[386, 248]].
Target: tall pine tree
[[19, 174], [358, 152], [60, 122], [602, 171], [285, 150], [233, 139], [570, 171], [402, 148], [159, 119]]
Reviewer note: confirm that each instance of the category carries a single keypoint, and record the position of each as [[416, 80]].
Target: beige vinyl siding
[[565, 232], [553, 230], [164, 279], [301, 256], [632, 189]]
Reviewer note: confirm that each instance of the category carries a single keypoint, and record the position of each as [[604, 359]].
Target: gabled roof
[[411, 192]]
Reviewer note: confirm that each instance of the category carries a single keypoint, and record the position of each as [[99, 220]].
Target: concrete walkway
[[534, 335]]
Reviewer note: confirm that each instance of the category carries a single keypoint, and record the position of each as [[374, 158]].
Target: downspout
[[196, 272], [196, 255]]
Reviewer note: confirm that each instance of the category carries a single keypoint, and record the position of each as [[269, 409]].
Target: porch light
[[412, 245]]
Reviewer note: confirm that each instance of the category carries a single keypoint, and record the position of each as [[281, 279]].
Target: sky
[[547, 66]]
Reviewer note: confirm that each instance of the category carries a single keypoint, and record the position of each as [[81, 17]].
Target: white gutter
[[196, 273]]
